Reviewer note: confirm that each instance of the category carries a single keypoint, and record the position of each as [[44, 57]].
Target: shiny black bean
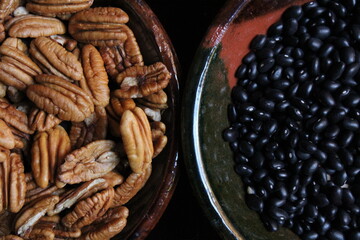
[[352, 100], [281, 85], [325, 64], [276, 73], [326, 99], [268, 183], [298, 53], [332, 131], [321, 200], [348, 55], [343, 218], [331, 85], [278, 214], [258, 42], [335, 195], [321, 32], [290, 26], [266, 65], [241, 71], [262, 79], [321, 176], [240, 158], [326, 50], [334, 162], [246, 148], [340, 178], [345, 138], [310, 166], [259, 174], [254, 202], [293, 12], [314, 44], [336, 70], [256, 126], [274, 94], [266, 105], [354, 235], [324, 228], [350, 124], [347, 197], [239, 94], [249, 58], [243, 170], [284, 60], [330, 211], [338, 8], [270, 127], [270, 224], [320, 125], [261, 142], [230, 134], [336, 115], [305, 89], [252, 71], [265, 53], [275, 29], [355, 32], [310, 235]]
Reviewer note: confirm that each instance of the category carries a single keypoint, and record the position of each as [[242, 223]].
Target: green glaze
[[209, 159]]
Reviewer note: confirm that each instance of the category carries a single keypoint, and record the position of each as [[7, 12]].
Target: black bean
[[336, 115], [325, 64], [266, 65], [274, 94], [259, 174], [336, 70], [266, 105], [293, 12], [310, 236], [345, 138], [310, 166], [289, 73], [249, 58], [241, 71], [230, 134], [314, 44], [256, 126], [252, 71], [246, 148], [270, 224], [284, 60], [350, 124], [254, 202], [239, 94], [276, 73], [275, 29], [338, 8], [258, 42], [265, 53], [348, 55], [326, 50], [268, 183], [335, 195], [347, 197], [278, 214], [335, 235], [290, 26], [343, 218], [330, 212], [340, 178], [352, 100], [298, 53], [321, 32], [320, 125], [306, 88], [326, 99], [262, 79], [355, 32], [321, 176]]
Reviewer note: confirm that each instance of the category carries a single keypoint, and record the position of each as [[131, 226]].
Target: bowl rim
[[169, 57], [190, 120]]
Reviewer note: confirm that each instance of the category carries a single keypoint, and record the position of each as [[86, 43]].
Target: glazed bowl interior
[[147, 206], [209, 159]]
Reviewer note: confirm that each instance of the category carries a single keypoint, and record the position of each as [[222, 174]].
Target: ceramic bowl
[[209, 159], [148, 205]]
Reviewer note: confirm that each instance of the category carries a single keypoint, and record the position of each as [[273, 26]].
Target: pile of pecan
[[80, 119]]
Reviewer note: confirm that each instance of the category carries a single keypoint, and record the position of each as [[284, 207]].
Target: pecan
[[18, 70], [101, 26], [47, 154], [31, 26], [159, 139], [32, 213], [34, 192], [55, 59], [11, 237], [12, 183], [60, 97], [141, 81], [40, 120], [91, 129], [132, 185], [156, 100], [7, 138], [7, 7], [89, 162], [83, 191], [2, 32], [107, 226], [41, 234], [136, 136], [89, 209], [119, 57], [96, 79], [113, 178], [14, 118], [54, 229], [57, 8], [3, 89], [16, 43]]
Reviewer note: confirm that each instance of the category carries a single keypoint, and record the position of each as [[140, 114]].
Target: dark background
[[186, 22]]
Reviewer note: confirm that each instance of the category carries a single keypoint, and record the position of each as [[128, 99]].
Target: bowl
[[149, 204], [209, 160]]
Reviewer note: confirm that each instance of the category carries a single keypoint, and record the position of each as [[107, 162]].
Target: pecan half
[[119, 57], [41, 234], [7, 7], [132, 185], [101, 26], [89, 162], [3, 89], [31, 26], [2, 32], [136, 136], [96, 80], [156, 100], [32, 213], [7, 138], [107, 226], [11, 237], [60, 97], [47, 154], [55, 59], [12, 183], [14, 118], [91, 129], [33, 191], [57, 8], [16, 43], [159, 139], [18, 70], [141, 81], [88, 210], [73, 196], [40, 120]]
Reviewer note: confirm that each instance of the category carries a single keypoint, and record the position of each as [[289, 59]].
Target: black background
[[186, 23]]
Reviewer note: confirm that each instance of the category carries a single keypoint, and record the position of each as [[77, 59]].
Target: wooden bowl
[[148, 205], [209, 160]]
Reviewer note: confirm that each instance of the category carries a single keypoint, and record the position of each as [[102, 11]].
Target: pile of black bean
[[295, 121]]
